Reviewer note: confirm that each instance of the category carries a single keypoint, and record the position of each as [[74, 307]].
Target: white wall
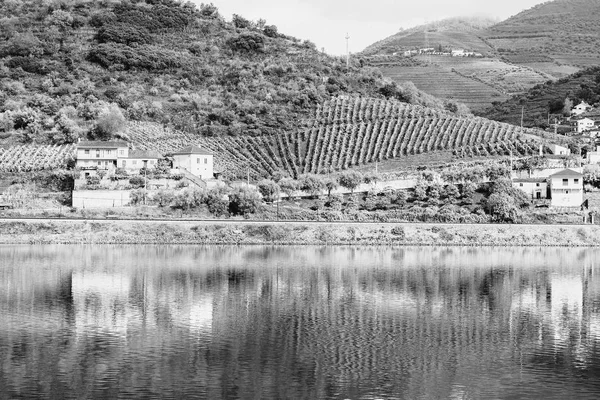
[[100, 198], [198, 164]]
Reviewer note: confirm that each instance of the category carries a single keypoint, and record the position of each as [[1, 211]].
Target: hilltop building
[[196, 161]]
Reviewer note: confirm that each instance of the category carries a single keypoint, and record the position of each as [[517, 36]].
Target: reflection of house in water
[[100, 301]]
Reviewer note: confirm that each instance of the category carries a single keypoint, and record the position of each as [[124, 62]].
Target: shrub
[[350, 180], [137, 181], [163, 198], [92, 180], [137, 196], [110, 122], [217, 202], [247, 43], [269, 190], [312, 184], [244, 201], [398, 231]]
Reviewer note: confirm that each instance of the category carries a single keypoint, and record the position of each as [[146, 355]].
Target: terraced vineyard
[[347, 132], [29, 158], [447, 84]]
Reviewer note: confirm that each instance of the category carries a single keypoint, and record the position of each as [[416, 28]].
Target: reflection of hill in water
[[424, 321]]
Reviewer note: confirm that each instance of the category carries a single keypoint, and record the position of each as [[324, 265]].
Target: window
[[124, 163], [205, 160], [99, 162], [537, 184], [565, 182], [121, 152], [134, 162], [97, 153], [198, 160], [576, 181], [87, 151], [520, 184], [108, 152]]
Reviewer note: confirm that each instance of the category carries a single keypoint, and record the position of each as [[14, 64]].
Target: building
[[138, 159], [100, 155], [582, 124], [593, 157], [566, 188], [195, 160], [535, 188], [559, 150], [580, 109], [110, 155]]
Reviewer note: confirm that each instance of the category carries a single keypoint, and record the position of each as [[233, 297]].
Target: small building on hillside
[[195, 160], [559, 150], [582, 124], [138, 159], [593, 157], [566, 188], [535, 188], [100, 155], [580, 109]]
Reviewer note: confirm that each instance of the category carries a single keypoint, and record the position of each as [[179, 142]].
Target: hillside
[[548, 98], [75, 68], [562, 31], [458, 32], [346, 132]]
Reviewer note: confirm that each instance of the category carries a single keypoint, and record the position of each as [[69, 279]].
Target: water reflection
[[298, 322]]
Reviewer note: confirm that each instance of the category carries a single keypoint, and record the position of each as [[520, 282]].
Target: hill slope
[[548, 98], [458, 32], [74, 67], [566, 31]]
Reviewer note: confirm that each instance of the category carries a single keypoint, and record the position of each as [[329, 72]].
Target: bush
[[247, 43], [244, 201], [217, 202], [110, 122], [163, 198], [269, 190], [350, 180], [137, 196], [137, 181], [92, 180], [398, 231]]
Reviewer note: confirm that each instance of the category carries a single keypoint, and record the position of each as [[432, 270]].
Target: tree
[[289, 186], [244, 201], [269, 190], [568, 105], [350, 180], [163, 198], [451, 191], [468, 189], [312, 184], [241, 22], [270, 31], [110, 122], [502, 208], [330, 185], [63, 21], [217, 201]]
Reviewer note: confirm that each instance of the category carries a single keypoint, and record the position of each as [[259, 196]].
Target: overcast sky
[[325, 22]]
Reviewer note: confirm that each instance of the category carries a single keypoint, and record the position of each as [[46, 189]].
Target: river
[[234, 322]]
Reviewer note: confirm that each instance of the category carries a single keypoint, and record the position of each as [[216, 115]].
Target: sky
[[326, 22]]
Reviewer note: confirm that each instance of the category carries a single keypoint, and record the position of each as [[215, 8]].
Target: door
[[538, 195]]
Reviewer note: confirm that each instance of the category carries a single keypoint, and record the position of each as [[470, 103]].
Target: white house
[[593, 157], [138, 159], [583, 124], [100, 155], [110, 155], [458, 53], [580, 108], [566, 188], [559, 150], [195, 160], [535, 188]]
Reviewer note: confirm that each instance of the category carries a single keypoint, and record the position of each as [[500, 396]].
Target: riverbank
[[293, 233]]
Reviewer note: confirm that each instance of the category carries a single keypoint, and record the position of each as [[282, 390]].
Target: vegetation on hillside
[[79, 67], [348, 132], [553, 29], [459, 32], [548, 98]]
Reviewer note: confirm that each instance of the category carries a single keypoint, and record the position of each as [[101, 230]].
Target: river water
[[224, 322]]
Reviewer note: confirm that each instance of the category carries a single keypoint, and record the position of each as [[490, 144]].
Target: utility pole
[[248, 176], [347, 51]]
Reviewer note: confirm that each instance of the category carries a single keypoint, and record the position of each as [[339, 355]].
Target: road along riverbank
[[39, 231]]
